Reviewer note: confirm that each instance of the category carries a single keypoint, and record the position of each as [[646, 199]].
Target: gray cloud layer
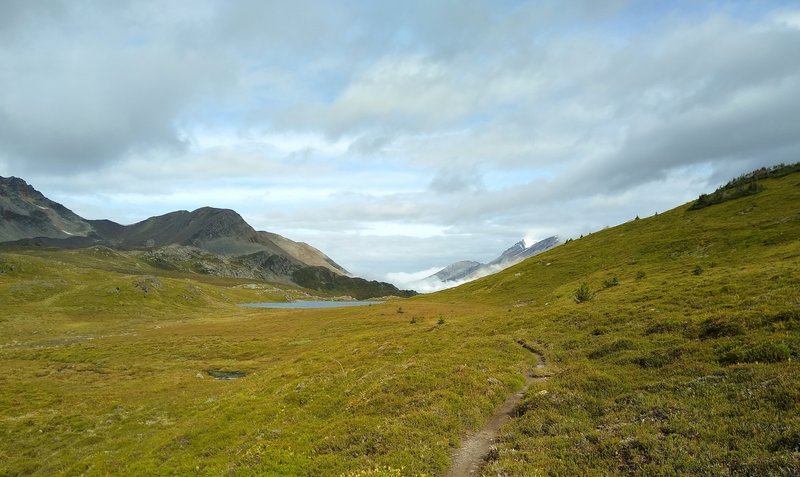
[[408, 123]]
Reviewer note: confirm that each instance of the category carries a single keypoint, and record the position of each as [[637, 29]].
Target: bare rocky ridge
[[467, 270], [217, 231], [520, 251], [207, 240], [457, 270], [26, 213]]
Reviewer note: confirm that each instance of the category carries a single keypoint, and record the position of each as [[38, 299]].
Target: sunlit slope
[[683, 360], [685, 364], [52, 294], [109, 368], [750, 235], [103, 281]]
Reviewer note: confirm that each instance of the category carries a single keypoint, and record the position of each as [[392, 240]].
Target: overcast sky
[[396, 137]]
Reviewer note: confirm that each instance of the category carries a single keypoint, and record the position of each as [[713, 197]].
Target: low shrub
[[611, 282], [610, 348], [788, 442], [664, 327], [658, 358], [765, 352], [720, 327], [787, 320]]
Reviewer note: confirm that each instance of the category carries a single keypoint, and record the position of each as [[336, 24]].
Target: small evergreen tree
[[583, 294]]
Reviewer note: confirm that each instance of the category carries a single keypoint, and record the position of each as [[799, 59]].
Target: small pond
[[225, 375], [312, 304]]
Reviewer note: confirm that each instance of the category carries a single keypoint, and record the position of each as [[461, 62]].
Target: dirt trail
[[468, 459]]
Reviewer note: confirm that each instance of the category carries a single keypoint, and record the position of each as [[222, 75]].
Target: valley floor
[[681, 360]]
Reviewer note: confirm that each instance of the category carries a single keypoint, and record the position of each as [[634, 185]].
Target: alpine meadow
[[681, 359], [355, 238]]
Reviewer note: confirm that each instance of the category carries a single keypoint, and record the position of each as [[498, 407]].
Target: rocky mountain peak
[[27, 215], [466, 270], [215, 223], [513, 250]]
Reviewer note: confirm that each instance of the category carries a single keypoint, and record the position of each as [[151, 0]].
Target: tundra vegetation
[[113, 366]]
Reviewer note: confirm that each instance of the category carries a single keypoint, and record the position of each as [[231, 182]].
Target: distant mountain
[[26, 213], [195, 241], [456, 270], [521, 250], [466, 270], [218, 231]]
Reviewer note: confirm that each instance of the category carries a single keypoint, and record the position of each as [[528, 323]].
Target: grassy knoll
[[685, 364], [102, 377]]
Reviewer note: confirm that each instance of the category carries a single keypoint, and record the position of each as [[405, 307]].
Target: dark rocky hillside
[[322, 279], [26, 213], [208, 240]]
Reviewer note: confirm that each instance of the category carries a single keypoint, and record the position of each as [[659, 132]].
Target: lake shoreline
[[305, 305]]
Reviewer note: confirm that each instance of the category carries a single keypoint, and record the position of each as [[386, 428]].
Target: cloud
[[455, 181], [369, 144], [396, 135], [410, 280], [91, 97]]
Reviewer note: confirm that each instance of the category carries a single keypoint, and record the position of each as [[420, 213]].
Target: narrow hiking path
[[467, 460]]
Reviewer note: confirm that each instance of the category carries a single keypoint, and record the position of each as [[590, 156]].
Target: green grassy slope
[[107, 369], [687, 365]]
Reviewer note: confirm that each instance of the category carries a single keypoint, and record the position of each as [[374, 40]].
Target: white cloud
[[788, 18], [409, 280], [395, 135]]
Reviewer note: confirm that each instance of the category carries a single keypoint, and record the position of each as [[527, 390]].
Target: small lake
[[312, 304]]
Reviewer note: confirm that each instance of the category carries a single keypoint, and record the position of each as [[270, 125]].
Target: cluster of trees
[[746, 184], [324, 280]]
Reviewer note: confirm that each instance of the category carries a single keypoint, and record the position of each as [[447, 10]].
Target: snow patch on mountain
[[466, 271]]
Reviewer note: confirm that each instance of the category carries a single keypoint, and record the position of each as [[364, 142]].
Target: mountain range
[[468, 270], [207, 240]]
